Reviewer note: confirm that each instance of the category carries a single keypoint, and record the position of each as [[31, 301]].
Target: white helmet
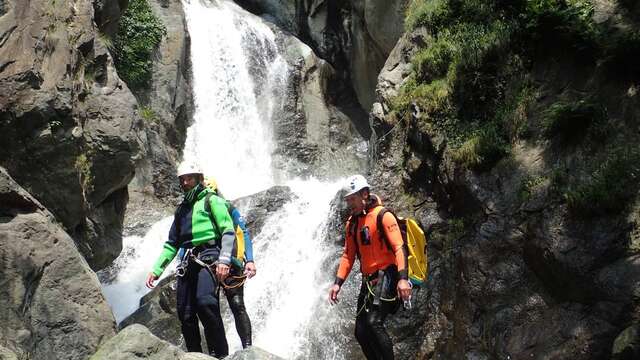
[[188, 168], [354, 184]]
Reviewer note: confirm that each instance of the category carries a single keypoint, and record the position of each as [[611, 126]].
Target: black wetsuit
[[370, 331], [235, 297], [197, 295]]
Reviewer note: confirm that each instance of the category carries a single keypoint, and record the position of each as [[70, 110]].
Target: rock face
[[355, 36], [321, 138], [256, 207], [52, 305], [108, 14], [511, 276], [168, 99], [69, 127]]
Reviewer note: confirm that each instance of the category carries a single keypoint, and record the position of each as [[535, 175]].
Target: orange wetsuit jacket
[[374, 254]]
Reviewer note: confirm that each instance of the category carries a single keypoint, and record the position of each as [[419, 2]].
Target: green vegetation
[[107, 41], [571, 121], [83, 167], [610, 188], [148, 114], [530, 185], [139, 34], [471, 80]]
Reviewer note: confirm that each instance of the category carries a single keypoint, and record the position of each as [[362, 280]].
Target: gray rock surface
[[354, 36], [51, 301], [509, 277], [108, 14], [319, 136], [137, 342], [169, 99], [69, 128]]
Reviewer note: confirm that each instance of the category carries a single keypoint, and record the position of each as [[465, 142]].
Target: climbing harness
[[182, 269], [372, 297]]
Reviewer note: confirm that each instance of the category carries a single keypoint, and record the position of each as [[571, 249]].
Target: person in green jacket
[[203, 227]]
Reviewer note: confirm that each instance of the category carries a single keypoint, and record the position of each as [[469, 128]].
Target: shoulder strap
[[352, 228], [207, 208], [380, 227]]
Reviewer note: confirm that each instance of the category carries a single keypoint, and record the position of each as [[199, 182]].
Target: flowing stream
[[238, 78]]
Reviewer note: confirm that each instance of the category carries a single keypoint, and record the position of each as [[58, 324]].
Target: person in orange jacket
[[383, 265]]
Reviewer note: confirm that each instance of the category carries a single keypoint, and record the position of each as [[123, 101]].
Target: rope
[[242, 278]]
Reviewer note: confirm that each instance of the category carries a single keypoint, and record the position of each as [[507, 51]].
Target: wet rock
[[323, 139], [254, 353], [255, 208], [354, 36], [157, 312], [68, 124], [52, 304]]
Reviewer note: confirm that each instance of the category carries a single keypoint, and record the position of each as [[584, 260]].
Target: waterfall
[[239, 79]]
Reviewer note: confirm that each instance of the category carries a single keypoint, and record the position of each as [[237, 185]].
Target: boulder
[[69, 126], [137, 342], [53, 307]]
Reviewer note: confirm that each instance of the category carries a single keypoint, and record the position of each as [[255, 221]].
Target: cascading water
[[239, 77]]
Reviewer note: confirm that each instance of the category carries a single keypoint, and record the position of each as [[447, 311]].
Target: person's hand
[[222, 271], [404, 290], [333, 294], [250, 269], [151, 278]]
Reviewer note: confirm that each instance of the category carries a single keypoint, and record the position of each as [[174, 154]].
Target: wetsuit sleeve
[[248, 245], [394, 236], [225, 226], [168, 252], [347, 259]]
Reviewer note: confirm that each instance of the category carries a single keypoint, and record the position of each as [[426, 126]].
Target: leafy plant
[[148, 114], [83, 167], [611, 187], [139, 34], [570, 121]]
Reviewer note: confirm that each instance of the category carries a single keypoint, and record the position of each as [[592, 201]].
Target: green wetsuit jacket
[[193, 226]]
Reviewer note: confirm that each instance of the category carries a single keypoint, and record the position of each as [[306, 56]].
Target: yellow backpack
[[415, 243]]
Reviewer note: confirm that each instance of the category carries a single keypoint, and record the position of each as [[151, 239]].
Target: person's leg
[[374, 320], [187, 311], [235, 297], [209, 314], [362, 331], [379, 338]]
